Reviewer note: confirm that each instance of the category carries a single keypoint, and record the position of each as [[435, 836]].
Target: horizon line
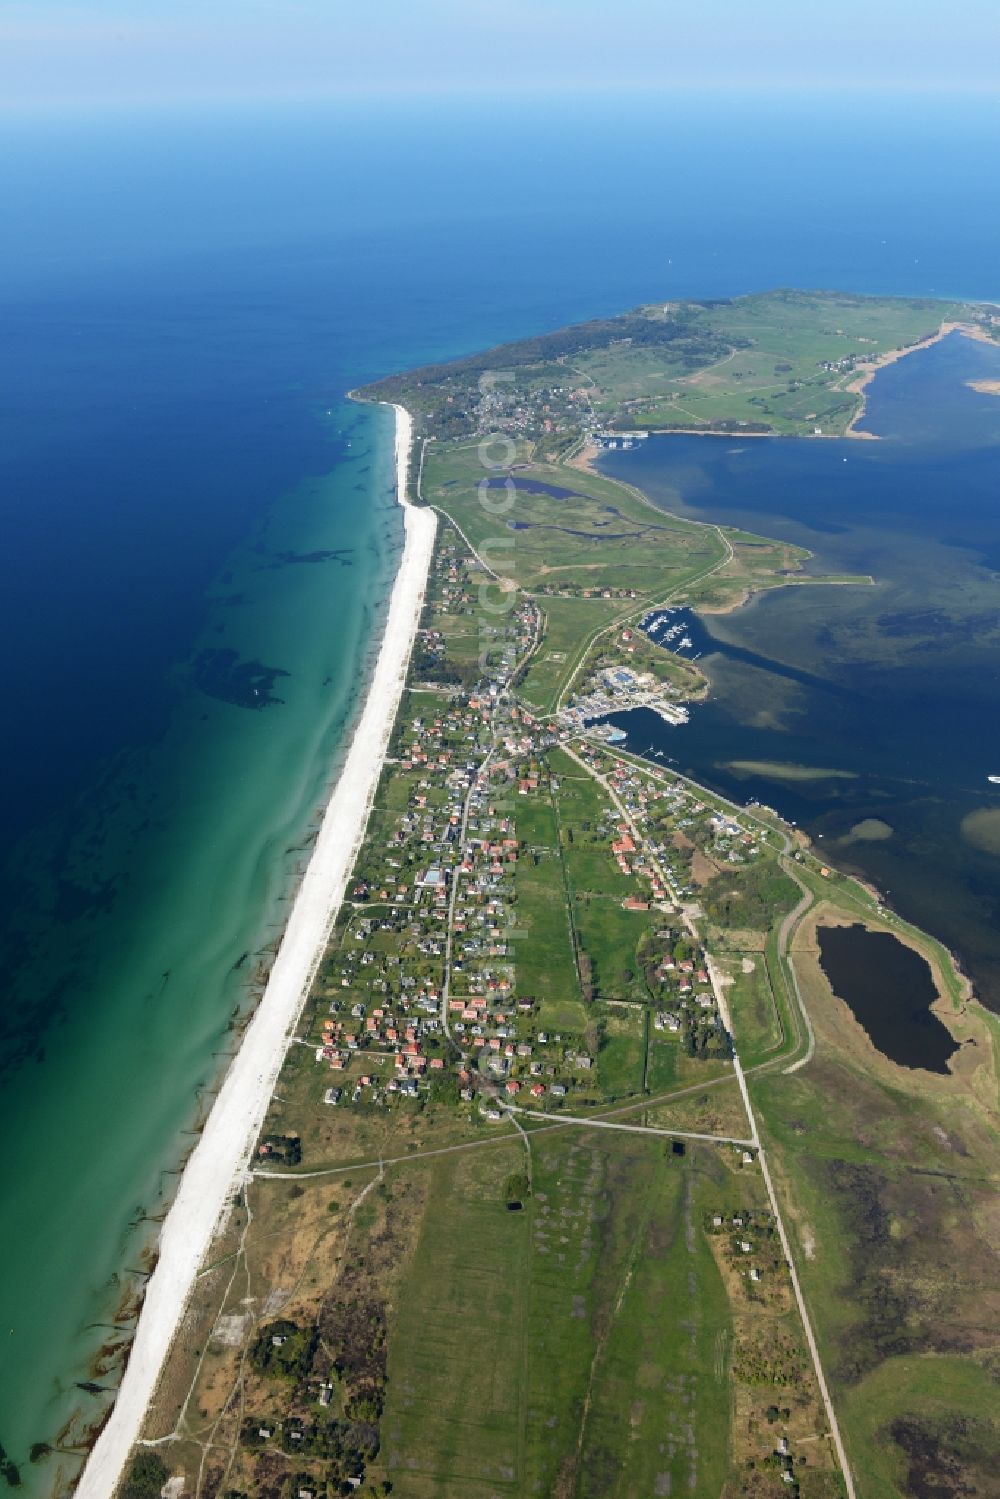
[[431, 92]]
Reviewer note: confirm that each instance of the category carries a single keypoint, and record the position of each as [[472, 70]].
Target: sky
[[56, 54]]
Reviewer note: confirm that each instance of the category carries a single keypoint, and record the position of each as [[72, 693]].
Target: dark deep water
[[193, 520], [869, 715], [889, 989]]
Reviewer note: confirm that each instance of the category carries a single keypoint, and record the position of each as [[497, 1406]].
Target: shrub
[[146, 1477]]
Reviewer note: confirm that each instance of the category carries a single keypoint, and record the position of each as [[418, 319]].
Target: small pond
[[890, 989], [533, 486]]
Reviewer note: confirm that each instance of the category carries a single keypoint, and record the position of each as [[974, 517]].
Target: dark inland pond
[[867, 714], [890, 989]]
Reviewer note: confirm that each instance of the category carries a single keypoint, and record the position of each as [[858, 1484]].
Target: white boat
[[994, 779]]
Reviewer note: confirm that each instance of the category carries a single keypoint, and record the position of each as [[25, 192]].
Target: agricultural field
[[524, 1335]]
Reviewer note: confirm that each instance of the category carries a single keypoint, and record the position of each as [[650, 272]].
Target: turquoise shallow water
[[200, 836], [183, 301]]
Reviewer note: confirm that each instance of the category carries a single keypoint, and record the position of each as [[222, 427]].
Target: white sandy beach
[[220, 1158]]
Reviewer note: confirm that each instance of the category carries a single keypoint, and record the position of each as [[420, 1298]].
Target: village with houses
[[426, 997], [525, 945], [524, 1013]]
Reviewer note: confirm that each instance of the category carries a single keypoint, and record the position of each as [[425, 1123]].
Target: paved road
[[663, 874], [635, 1129], [648, 606], [755, 1143], [455, 877], [787, 1250], [789, 924]]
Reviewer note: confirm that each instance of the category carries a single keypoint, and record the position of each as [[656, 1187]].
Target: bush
[[751, 897], [516, 1187], [283, 1348], [146, 1477]]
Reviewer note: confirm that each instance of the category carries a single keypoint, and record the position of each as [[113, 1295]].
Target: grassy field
[[453, 1421], [916, 1419], [610, 936], [661, 1063], [569, 623], [546, 966], [592, 533], [754, 1008], [715, 1110], [577, 1347], [780, 361], [891, 1184], [621, 1061]]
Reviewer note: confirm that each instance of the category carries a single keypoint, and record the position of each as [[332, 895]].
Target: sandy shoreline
[[230, 1133], [866, 375]]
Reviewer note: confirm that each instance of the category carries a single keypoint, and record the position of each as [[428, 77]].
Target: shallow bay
[[870, 715]]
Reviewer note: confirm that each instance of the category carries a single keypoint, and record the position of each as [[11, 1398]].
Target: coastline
[[585, 458], [220, 1157], [859, 385]]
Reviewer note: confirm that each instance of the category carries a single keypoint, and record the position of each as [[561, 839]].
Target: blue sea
[[200, 535]]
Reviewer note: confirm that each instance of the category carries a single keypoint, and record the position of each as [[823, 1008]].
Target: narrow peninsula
[[554, 1163]]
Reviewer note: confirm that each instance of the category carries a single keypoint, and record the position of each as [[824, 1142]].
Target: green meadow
[[576, 1346]]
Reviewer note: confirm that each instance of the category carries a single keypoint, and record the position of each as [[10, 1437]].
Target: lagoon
[[869, 715]]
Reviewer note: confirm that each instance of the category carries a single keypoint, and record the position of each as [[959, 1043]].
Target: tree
[[146, 1477]]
